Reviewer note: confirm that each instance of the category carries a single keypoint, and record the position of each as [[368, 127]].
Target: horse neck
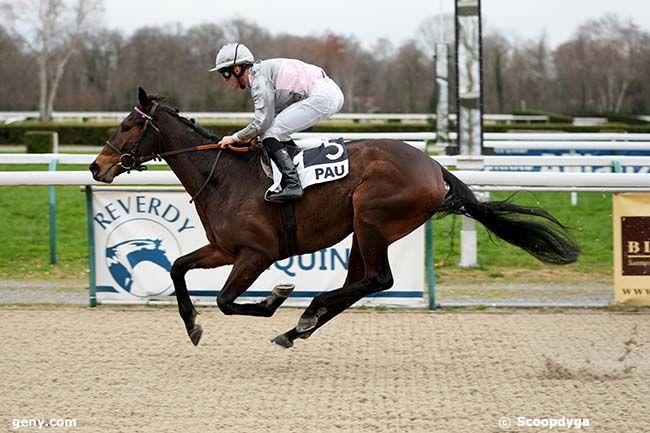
[[193, 168]]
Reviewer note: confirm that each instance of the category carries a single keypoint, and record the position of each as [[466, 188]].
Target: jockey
[[288, 95]]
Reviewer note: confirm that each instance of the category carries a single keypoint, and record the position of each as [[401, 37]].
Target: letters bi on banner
[[139, 233], [632, 248]]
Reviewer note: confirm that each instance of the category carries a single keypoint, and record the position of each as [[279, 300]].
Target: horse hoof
[[195, 334], [282, 341], [307, 323], [283, 290]]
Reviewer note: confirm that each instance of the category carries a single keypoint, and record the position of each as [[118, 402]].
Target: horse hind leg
[[386, 208], [328, 305], [377, 277], [355, 273]]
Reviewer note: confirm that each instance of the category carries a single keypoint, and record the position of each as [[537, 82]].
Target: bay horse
[[391, 189]]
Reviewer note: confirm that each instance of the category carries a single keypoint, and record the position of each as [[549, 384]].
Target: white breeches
[[324, 100]]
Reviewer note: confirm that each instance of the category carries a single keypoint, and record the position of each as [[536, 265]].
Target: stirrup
[[286, 194]]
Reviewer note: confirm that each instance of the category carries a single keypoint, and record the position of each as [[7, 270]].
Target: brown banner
[[632, 248]]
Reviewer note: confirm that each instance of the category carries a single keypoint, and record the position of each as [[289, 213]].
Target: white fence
[[485, 179], [17, 116], [509, 141], [486, 162], [460, 161], [572, 141]]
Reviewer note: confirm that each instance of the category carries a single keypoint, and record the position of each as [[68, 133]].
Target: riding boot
[[289, 143], [291, 188]]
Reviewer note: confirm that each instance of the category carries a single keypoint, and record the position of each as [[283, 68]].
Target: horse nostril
[[94, 168]]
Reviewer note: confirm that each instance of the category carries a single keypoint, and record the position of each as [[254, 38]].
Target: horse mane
[[191, 123], [207, 135]]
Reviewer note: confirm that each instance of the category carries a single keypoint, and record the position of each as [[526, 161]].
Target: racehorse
[[391, 189]]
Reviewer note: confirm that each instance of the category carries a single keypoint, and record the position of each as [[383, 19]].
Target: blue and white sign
[[139, 233]]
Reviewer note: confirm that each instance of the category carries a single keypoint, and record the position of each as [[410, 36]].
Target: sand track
[[134, 370]]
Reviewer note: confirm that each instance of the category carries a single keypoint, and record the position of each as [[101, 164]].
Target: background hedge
[[39, 141]]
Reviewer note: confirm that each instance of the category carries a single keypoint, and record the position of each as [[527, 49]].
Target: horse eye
[[124, 127]]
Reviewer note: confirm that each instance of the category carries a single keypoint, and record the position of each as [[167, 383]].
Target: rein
[[132, 161]]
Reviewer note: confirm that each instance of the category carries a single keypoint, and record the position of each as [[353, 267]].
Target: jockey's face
[[231, 79]]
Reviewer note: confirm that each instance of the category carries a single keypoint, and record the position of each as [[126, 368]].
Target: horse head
[[135, 141]]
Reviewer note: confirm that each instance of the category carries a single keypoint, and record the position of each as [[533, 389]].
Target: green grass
[[25, 235], [24, 229], [590, 221]]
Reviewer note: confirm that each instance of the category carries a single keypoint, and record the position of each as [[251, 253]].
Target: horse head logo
[[124, 256]]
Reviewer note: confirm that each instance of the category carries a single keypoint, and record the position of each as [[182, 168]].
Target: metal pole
[[55, 142], [469, 76], [52, 211], [574, 195], [430, 264], [92, 287], [468, 244], [442, 87]]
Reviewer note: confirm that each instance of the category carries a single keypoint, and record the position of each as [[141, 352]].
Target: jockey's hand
[[226, 141]]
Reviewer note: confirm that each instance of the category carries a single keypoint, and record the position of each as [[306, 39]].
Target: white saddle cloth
[[315, 165]]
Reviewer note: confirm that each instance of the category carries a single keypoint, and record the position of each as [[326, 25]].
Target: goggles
[[226, 74]]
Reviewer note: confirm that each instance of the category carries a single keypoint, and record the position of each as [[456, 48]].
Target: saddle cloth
[[320, 164]]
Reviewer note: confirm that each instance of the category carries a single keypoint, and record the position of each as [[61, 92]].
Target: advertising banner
[[138, 233], [569, 152], [632, 248]]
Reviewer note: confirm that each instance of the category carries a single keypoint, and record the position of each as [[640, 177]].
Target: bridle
[[131, 160]]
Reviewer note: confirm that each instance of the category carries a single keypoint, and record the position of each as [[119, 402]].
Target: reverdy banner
[[632, 248], [139, 233]]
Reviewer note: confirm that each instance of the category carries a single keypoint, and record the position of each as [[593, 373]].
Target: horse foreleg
[[248, 266], [203, 258]]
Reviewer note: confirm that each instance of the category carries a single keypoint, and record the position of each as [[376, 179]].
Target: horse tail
[[544, 237]]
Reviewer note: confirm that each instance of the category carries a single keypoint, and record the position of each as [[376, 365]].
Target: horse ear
[[142, 97]]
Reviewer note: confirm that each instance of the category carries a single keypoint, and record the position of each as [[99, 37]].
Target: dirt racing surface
[[114, 369]]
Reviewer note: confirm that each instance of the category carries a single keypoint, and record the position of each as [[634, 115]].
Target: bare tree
[[496, 50], [435, 29], [16, 70], [607, 56], [257, 38], [603, 67], [343, 57], [52, 29]]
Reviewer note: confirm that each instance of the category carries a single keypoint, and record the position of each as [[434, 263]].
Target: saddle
[[318, 164], [324, 162]]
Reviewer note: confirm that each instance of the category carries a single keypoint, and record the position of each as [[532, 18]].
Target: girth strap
[[290, 226]]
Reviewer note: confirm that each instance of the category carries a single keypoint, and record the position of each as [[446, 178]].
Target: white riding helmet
[[232, 55]]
